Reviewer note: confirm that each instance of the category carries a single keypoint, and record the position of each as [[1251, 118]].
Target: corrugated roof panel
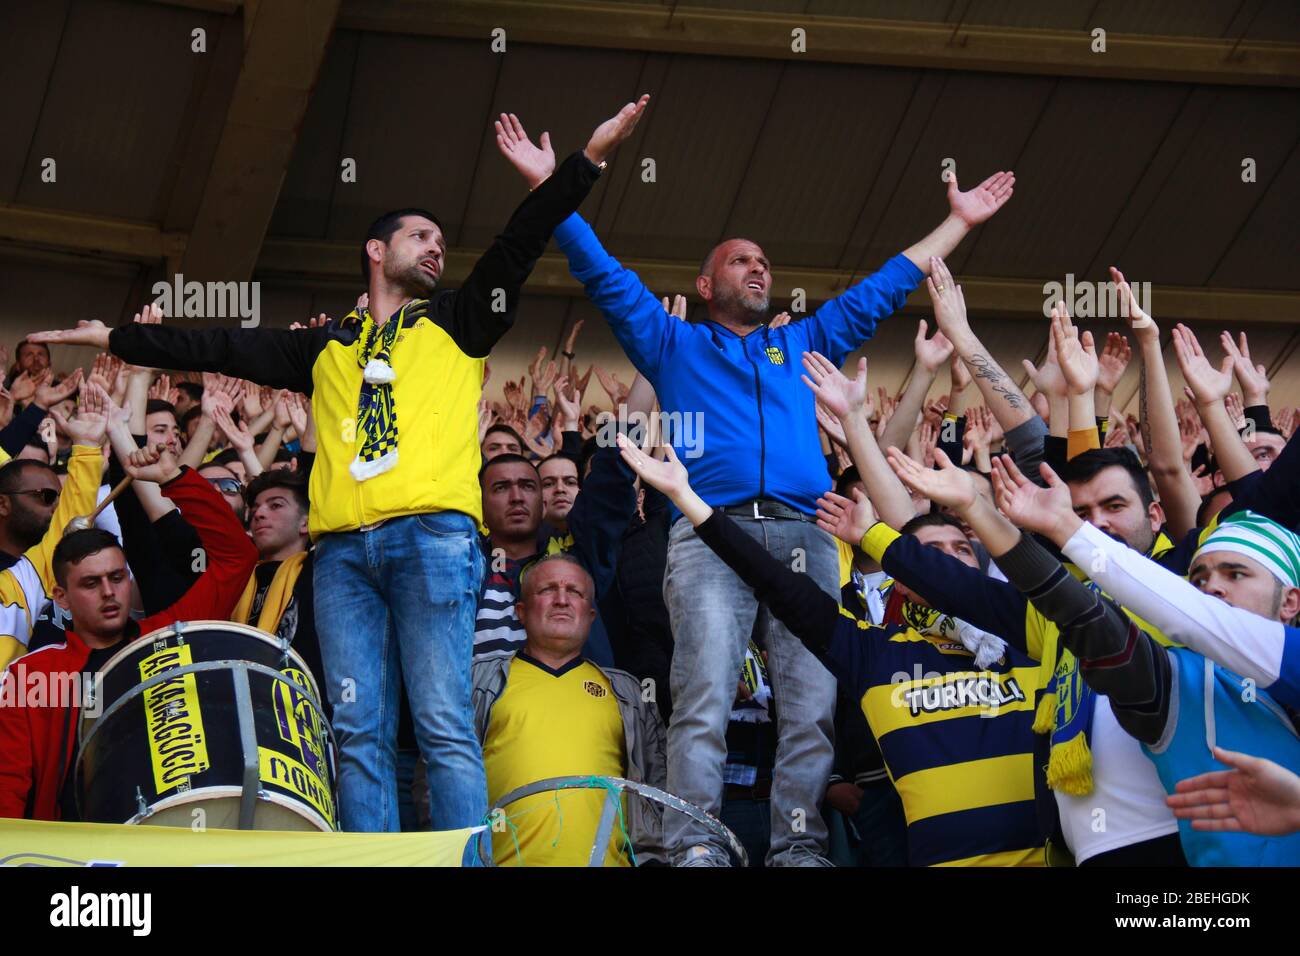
[[700, 136], [549, 88], [29, 44], [112, 158], [303, 206], [1088, 151], [822, 145], [981, 121], [414, 106], [1272, 230], [1204, 204]]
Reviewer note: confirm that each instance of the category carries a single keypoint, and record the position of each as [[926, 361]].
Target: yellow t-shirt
[[554, 724]]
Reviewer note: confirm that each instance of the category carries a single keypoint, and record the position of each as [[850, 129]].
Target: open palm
[[976, 205], [838, 393], [1208, 384], [945, 485], [534, 162], [847, 520], [669, 476], [1028, 505]]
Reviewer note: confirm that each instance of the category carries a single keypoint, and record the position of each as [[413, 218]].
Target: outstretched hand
[[946, 485], [1047, 511], [1256, 796], [1075, 354], [534, 162], [847, 520], [1207, 385], [840, 395], [615, 130], [93, 333], [976, 205], [669, 476], [90, 424]]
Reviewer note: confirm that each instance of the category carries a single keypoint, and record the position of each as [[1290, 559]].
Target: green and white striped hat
[[1259, 538]]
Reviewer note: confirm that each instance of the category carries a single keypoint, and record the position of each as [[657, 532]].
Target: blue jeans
[[713, 614], [874, 836], [396, 604]]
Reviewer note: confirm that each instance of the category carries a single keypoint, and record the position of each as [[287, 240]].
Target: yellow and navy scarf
[[1066, 707], [278, 595], [376, 410]]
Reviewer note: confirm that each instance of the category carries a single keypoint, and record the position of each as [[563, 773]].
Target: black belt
[[763, 508]]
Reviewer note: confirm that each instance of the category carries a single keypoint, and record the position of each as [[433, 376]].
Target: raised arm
[[1158, 418], [930, 355], [847, 401], [966, 210], [1209, 387], [1003, 397], [277, 357], [473, 317], [1243, 642]]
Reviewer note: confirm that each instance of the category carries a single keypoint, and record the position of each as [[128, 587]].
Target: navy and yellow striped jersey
[[958, 741]]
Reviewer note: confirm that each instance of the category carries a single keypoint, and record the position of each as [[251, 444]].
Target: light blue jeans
[[396, 604], [713, 614]]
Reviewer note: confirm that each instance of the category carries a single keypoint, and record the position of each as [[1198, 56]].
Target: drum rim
[[225, 790], [248, 629]]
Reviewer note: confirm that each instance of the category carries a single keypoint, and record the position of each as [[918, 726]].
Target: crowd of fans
[[970, 628]]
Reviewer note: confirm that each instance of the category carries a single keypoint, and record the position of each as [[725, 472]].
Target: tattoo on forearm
[[983, 366]]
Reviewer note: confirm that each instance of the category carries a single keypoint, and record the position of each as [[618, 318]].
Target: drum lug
[[140, 804]]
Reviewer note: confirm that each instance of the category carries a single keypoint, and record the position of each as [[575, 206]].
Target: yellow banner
[[177, 743], [42, 843]]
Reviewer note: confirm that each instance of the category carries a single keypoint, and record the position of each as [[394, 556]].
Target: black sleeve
[[952, 444], [160, 553], [1259, 416], [279, 358], [795, 599], [571, 445], [1274, 493], [306, 461], [1118, 659], [469, 316], [1056, 452], [601, 514], [15, 435]]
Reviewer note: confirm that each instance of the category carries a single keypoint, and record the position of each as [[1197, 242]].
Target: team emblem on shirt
[[594, 689], [775, 355]]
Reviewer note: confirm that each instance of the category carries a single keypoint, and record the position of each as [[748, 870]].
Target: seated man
[[38, 742], [545, 711], [1180, 702], [950, 707]]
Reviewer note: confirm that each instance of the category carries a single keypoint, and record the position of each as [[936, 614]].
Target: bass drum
[[207, 724]]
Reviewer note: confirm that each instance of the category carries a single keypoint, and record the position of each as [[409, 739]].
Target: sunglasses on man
[[227, 486], [47, 496]]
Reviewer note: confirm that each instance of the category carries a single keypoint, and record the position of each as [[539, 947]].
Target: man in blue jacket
[[743, 424]]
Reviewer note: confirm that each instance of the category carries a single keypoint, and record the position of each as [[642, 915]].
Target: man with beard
[[394, 500], [749, 438]]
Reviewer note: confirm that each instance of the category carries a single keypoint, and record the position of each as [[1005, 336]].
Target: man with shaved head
[[744, 426]]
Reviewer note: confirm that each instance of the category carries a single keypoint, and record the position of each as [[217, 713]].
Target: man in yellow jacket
[[395, 500]]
